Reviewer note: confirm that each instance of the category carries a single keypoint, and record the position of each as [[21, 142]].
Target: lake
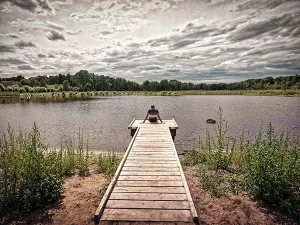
[[104, 120]]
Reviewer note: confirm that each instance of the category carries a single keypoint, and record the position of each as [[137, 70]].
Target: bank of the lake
[[74, 95], [223, 175], [82, 195]]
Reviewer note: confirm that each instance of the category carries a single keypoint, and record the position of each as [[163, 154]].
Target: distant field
[[72, 94]]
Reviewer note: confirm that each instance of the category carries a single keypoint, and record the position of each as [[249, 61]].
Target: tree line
[[85, 81]]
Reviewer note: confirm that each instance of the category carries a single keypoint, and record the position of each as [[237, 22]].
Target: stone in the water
[[210, 121]]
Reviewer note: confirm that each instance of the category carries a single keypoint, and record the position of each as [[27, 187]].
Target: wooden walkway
[[149, 184]]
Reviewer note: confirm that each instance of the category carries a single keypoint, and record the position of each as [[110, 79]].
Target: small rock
[[210, 121]]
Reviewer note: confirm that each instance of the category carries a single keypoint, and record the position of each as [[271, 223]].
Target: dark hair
[[152, 106]]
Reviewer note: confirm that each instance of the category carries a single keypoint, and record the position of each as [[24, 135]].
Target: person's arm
[[146, 117], [159, 117]]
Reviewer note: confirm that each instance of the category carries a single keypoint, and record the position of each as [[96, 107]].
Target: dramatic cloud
[[6, 48], [54, 36], [54, 25], [26, 67], [30, 5], [13, 35], [188, 40], [8, 61], [24, 44]]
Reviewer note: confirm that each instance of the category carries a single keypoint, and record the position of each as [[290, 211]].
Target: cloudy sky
[[188, 40]]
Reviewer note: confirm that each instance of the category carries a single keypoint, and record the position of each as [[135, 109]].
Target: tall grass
[[32, 174], [29, 178], [107, 163], [268, 167], [271, 169]]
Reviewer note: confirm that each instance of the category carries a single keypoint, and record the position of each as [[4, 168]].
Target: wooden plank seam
[[105, 198]]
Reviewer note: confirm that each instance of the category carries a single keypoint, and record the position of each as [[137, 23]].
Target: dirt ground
[[82, 196]]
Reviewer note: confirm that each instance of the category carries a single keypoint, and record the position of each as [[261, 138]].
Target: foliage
[[271, 168], [216, 150], [2, 87], [107, 163], [28, 177], [31, 174], [268, 167], [85, 81]]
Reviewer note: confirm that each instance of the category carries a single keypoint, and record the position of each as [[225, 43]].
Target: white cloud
[[218, 40]]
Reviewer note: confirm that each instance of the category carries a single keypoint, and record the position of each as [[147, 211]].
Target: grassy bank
[[71, 95], [267, 168], [32, 174]]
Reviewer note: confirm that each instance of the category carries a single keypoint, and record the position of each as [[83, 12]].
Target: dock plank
[[149, 184], [155, 178], [151, 169], [176, 190], [150, 173], [146, 183], [148, 196], [135, 204], [146, 215]]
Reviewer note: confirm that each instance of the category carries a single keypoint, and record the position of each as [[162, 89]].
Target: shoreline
[[64, 96], [82, 196]]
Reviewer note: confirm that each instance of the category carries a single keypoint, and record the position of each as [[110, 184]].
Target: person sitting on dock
[[152, 115]]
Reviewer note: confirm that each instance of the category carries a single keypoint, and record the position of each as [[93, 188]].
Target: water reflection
[[104, 120]]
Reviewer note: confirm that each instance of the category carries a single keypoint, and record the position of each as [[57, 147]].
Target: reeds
[[32, 174], [267, 167]]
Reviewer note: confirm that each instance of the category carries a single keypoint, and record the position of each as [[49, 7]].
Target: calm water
[[104, 120]]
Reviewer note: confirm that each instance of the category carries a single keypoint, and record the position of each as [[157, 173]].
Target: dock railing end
[[130, 125]]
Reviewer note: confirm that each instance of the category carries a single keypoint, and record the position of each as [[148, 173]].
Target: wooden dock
[[149, 184]]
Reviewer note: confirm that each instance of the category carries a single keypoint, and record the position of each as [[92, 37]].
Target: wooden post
[[173, 133], [132, 131]]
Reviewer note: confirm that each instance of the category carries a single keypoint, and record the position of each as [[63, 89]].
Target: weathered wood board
[[149, 184]]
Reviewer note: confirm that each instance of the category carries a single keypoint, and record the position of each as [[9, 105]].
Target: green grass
[[39, 93], [32, 174], [268, 167], [107, 163]]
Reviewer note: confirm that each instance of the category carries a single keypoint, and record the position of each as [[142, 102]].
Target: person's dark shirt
[[153, 112]]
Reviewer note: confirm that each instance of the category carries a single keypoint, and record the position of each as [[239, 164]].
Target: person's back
[[152, 115]]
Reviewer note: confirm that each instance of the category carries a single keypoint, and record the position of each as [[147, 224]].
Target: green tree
[[2, 87], [66, 85]]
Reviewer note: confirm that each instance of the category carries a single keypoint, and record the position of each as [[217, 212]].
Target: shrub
[[271, 168], [2, 87], [22, 90], [9, 89], [28, 177], [27, 88], [107, 163], [40, 89], [216, 150], [267, 167]]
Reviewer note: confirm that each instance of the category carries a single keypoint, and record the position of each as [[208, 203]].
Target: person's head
[[152, 107]]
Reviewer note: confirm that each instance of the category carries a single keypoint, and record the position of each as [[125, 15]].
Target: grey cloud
[[183, 43], [159, 41], [10, 60], [275, 23], [262, 5], [23, 44], [106, 32], [150, 67], [54, 25], [6, 48], [54, 36], [49, 67], [26, 67], [51, 55], [30, 5], [13, 35], [173, 70], [41, 55]]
